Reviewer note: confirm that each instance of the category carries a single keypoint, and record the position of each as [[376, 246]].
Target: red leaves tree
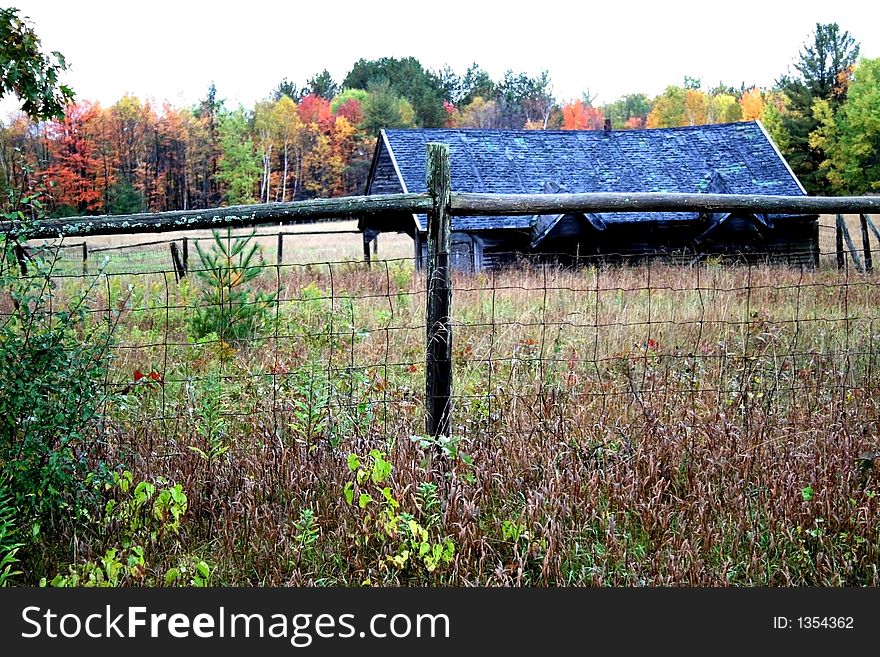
[[80, 171], [580, 116]]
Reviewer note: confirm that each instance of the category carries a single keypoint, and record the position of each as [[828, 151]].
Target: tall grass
[[653, 425]]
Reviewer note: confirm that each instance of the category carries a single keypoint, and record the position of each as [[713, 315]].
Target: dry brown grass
[[651, 425], [709, 425]]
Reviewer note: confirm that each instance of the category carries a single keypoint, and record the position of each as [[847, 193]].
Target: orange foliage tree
[[79, 171], [580, 116]]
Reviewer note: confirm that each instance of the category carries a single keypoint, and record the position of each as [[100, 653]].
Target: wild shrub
[[401, 547], [141, 523], [54, 360]]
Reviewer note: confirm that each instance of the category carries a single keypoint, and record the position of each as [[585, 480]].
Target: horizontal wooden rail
[[461, 204], [235, 216], [470, 204]]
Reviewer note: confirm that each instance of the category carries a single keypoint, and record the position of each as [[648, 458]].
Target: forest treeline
[[316, 140]]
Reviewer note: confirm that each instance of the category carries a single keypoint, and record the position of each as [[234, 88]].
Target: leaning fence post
[[841, 226], [438, 355], [866, 244]]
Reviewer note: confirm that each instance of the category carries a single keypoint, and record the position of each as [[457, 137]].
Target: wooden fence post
[[841, 227], [177, 263], [280, 257], [21, 257], [838, 243], [376, 245], [185, 256], [366, 247], [866, 244], [85, 254], [438, 358]]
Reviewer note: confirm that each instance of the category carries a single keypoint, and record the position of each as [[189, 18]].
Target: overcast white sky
[[172, 50]]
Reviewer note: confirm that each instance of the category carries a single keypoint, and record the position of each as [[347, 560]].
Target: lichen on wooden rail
[[236, 216], [473, 204]]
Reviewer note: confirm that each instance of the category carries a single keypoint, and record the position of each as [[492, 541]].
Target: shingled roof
[[739, 158]]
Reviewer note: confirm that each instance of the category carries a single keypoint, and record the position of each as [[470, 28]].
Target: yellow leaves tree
[[668, 109], [287, 129], [479, 113], [724, 108], [696, 107], [752, 104]]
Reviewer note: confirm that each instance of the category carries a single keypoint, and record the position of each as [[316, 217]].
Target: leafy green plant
[[54, 361], [140, 516], [309, 399], [210, 406], [402, 544], [227, 304], [9, 545]]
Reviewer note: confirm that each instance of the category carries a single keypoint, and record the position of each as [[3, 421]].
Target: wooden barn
[[734, 158]]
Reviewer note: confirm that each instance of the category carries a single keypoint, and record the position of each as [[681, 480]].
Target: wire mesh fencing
[[659, 403], [327, 353]]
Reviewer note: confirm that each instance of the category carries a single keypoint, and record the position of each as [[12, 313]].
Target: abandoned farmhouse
[[735, 158]]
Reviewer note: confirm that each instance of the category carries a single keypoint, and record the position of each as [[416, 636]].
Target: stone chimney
[[607, 125]]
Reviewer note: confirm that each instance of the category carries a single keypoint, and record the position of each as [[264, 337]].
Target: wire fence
[[330, 354], [704, 420]]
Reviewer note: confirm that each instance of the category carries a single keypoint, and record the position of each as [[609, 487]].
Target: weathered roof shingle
[[687, 159]]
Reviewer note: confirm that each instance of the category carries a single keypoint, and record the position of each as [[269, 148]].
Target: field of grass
[[142, 254], [708, 425]]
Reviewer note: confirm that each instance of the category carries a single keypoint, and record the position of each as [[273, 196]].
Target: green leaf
[[172, 576], [807, 493], [348, 491]]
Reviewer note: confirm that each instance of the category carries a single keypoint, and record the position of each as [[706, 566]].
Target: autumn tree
[[630, 111], [20, 144], [286, 128], [696, 107], [752, 105], [578, 115], [723, 108], [479, 113], [668, 109], [79, 176]]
